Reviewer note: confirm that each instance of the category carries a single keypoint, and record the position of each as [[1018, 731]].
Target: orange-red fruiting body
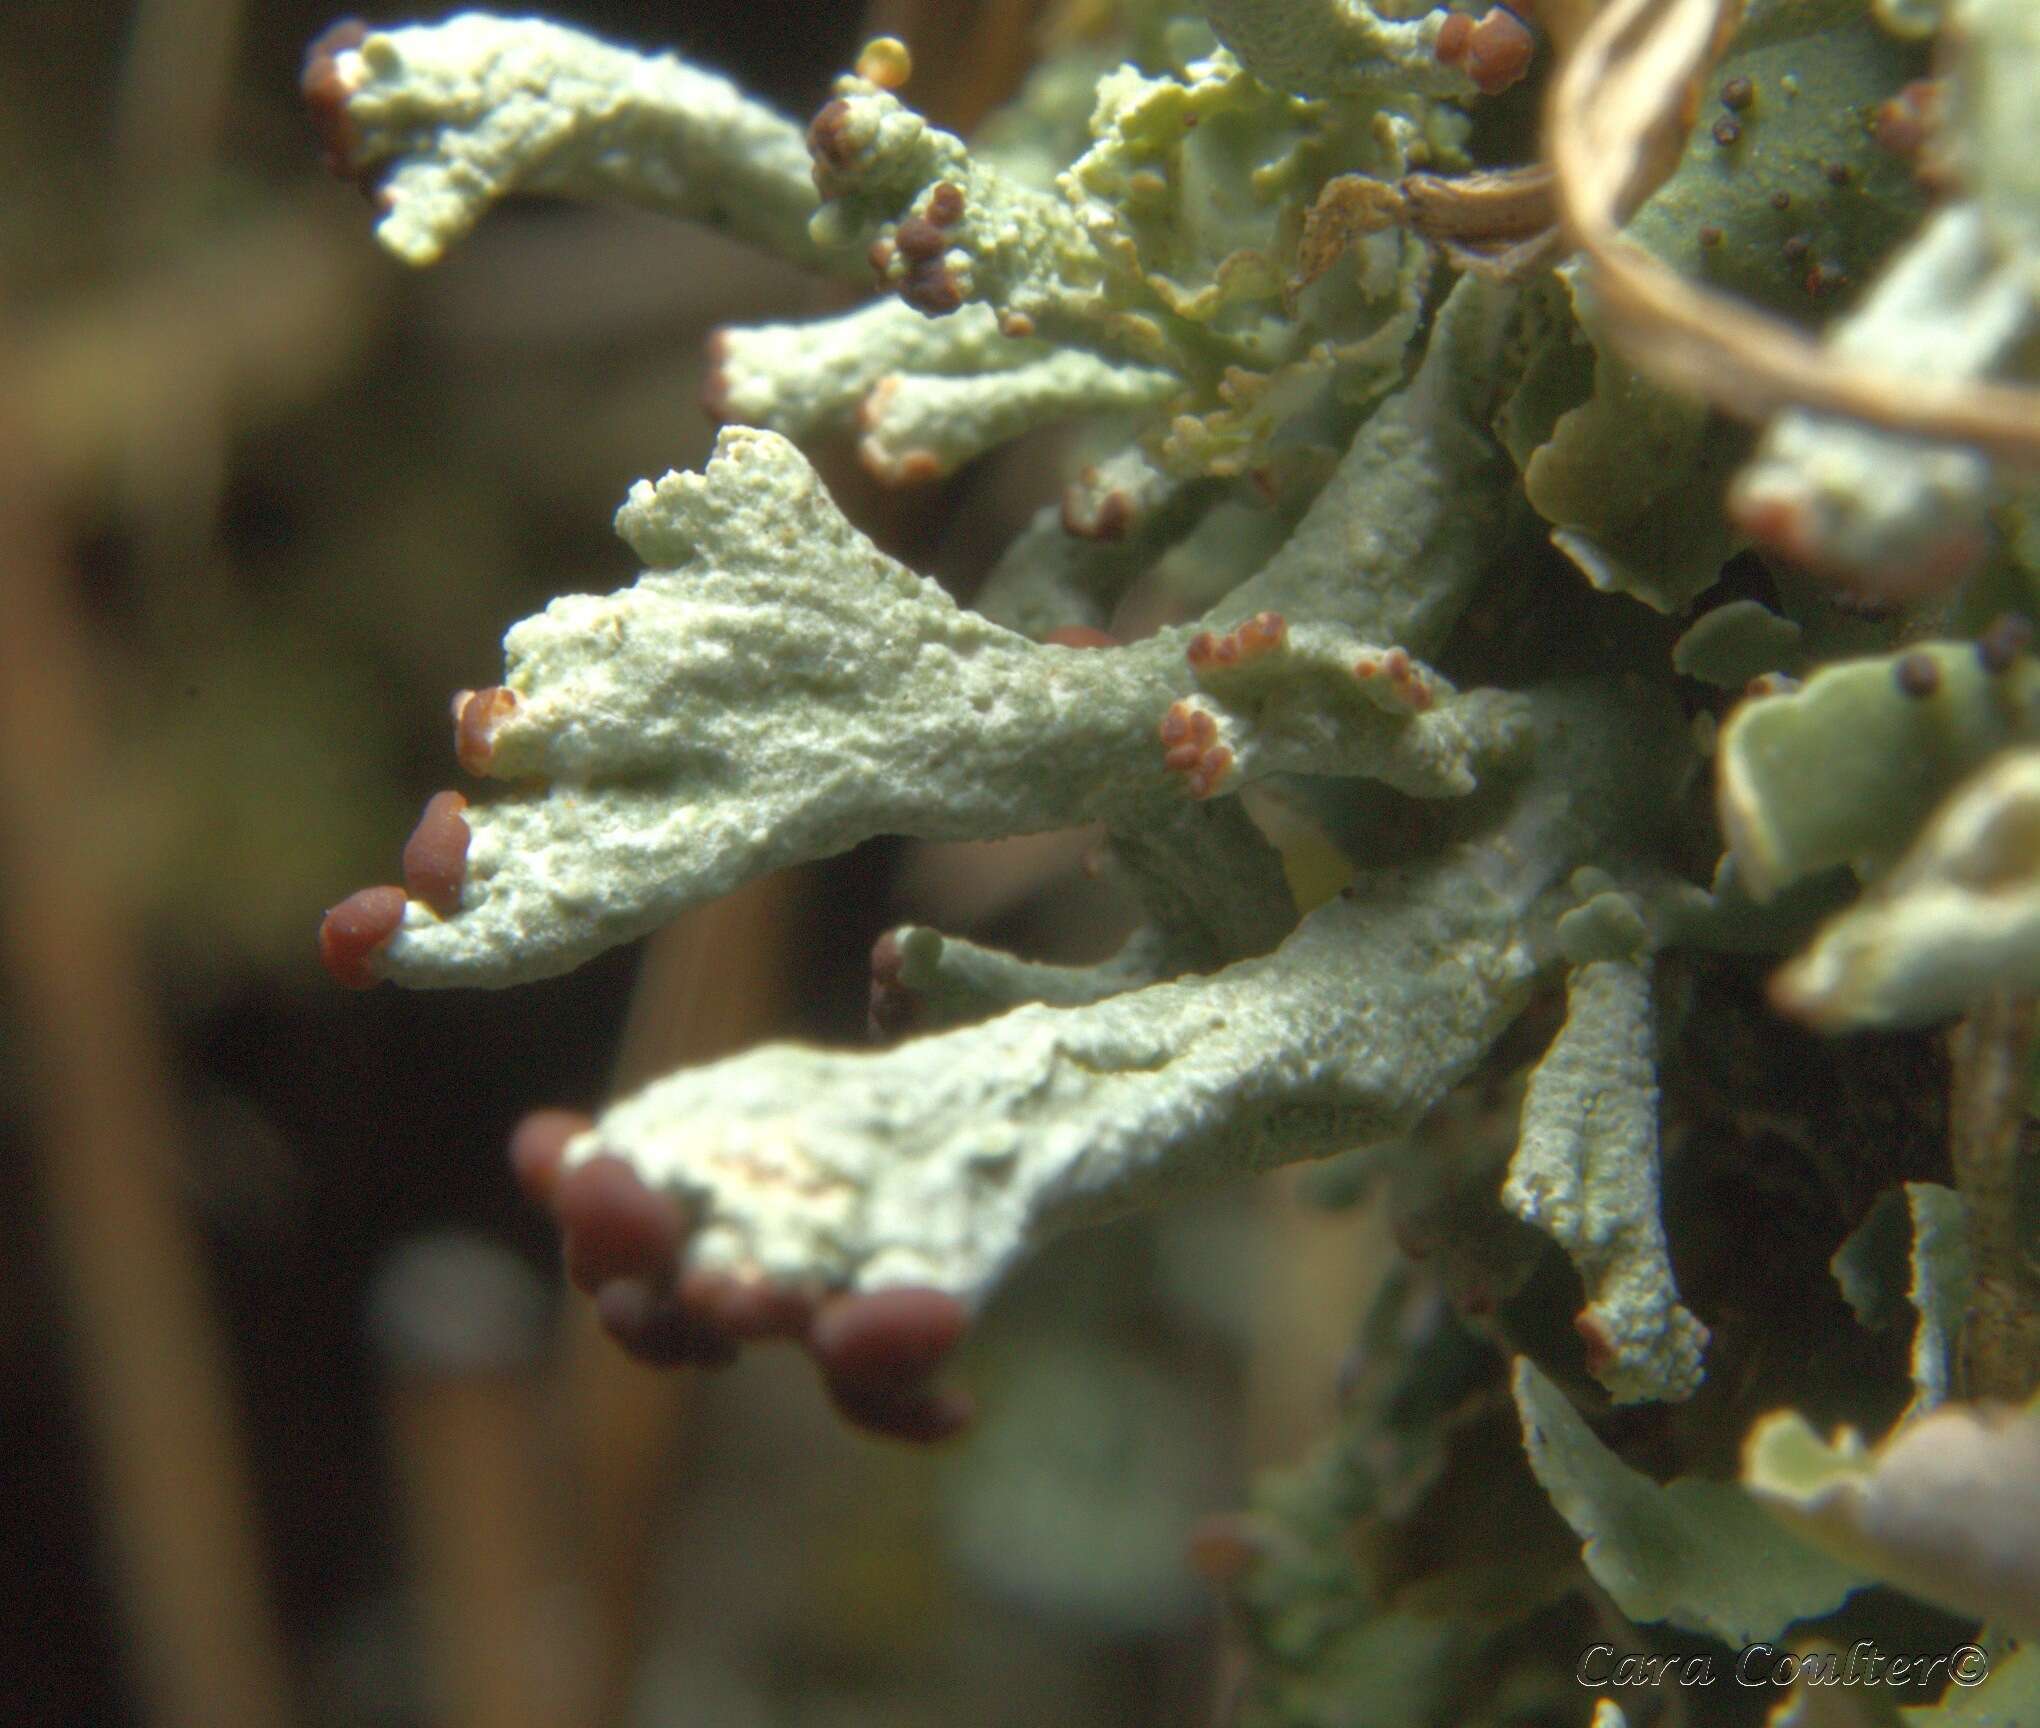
[[715, 383], [435, 857], [354, 931], [1210, 772], [1917, 675], [827, 140], [615, 1227], [1455, 36], [1498, 52], [538, 1150], [476, 715], [1108, 519], [876, 1352], [888, 1337], [931, 290], [1903, 124], [1260, 634], [917, 240]]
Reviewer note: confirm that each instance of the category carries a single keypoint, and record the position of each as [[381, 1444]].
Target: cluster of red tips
[[1191, 748], [1494, 53], [1261, 634], [1403, 679], [354, 932], [1599, 1341], [326, 92], [918, 246], [435, 868], [830, 144], [476, 715], [623, 1245]]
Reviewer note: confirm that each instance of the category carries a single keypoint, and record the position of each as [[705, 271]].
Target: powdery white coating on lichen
[[917, 426], [938, 1162], [1395, 544], [471, 109], [810, 377], [775, 689], [1586, 1174]]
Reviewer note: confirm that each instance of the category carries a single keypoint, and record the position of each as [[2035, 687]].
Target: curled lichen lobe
[[1260, 635]]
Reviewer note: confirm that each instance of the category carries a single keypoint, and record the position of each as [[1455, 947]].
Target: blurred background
[[296, 1423]]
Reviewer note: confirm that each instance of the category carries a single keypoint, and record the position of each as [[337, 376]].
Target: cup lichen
[[1748, 352]]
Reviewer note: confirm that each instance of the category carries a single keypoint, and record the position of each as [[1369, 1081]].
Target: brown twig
[[712, 982], [1617, 119], [1991, 1134], [458, 1324]]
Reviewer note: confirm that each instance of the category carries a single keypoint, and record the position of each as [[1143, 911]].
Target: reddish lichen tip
[[538, 1150], [476, 715], [1499, 51], [326, 92], [435, 856], [354, 932], [615, 1227]]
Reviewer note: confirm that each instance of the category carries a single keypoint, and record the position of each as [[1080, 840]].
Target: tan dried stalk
[[1619, 112]]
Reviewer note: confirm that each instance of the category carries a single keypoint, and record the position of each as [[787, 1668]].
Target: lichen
[[1639, 622]]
